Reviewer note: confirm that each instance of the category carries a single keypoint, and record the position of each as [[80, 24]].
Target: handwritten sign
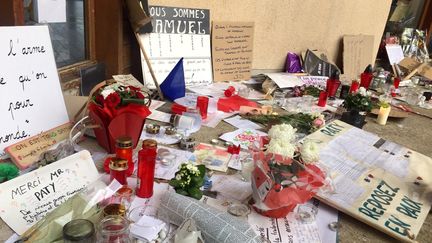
[[232, 44], [31, 99], [28, 198], [376, 181], [177, 33], [26, 152]]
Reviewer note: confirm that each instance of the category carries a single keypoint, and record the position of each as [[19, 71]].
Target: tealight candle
[[383, 115]]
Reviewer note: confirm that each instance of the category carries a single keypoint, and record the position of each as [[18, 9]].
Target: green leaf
[[202, 170], [174, 183], [182, 192], [197, 181], [195, 193]]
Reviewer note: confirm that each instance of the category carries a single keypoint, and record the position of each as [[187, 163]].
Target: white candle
[[383, 115]]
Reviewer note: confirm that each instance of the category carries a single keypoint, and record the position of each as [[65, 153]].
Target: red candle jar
[[146, 168], [333, 84], [354, 86], [322, 100], [124, 150], [202, 105], [365, 80], [396, 82], [118, 167]]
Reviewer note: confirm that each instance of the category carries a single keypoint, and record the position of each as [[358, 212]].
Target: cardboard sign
[[177, 33], [31, 100], [357, 54], [379, 182], [232, 45], [28, 198], [26, 152]]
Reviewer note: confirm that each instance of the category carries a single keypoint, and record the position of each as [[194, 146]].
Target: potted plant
[[357, 105]]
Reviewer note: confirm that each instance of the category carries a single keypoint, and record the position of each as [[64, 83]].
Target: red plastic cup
[[322, 100], [202, 105], [230, 91], [396, 82]]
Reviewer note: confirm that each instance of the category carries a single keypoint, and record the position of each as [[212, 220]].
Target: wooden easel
[[138, 18]]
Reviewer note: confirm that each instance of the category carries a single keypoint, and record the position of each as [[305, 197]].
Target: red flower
[[112, 100], [100, 99], [139, 95], [133, 88]]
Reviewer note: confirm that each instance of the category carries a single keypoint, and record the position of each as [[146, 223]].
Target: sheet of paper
[[213, 157], [29, 197], [320, 81], [156, 104], [239, 122], [285, 80], [168, 172], [214, 118], [242, 137], [30, 94], [159, 116], [53, 11], [232, 45], [345, 193], [231, 187], [175, 36], [394, 53]]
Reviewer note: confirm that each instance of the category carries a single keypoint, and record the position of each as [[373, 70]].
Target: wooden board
[[295, 25]]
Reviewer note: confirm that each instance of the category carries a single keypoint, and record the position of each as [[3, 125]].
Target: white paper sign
[[177, 33], [31, 100], [394, 53], [28, 198], [49, 11]]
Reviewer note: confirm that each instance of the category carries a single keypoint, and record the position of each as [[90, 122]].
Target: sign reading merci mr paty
[[28, 198], [379, 182]]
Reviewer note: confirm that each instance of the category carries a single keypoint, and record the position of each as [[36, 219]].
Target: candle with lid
[[118, 167], [124, 150], [146, 168]]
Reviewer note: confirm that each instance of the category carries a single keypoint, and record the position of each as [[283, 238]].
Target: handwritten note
[[31, 99], [28, 198], [232, 44], [177, 33], [26, 152]]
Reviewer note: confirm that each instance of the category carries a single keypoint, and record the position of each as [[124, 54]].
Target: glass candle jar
[[146, 168], [118, 168], [114, 229], [123, 196], [114, 209], [124, 150], [79, 230]]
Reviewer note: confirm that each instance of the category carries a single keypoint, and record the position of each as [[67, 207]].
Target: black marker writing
[[19, 105], [11, 51], [13, 136], [2, 81], [22, 79]]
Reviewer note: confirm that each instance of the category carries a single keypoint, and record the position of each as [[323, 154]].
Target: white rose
[[309, 152], [282, 131], [178, 177], [281, 147], [362, 91]]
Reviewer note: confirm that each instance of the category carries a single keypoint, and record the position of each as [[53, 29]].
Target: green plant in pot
[[357, 105], [188, 180]]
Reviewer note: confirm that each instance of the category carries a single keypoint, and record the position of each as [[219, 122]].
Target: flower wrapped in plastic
[[118, 110], [280, 183], [285, 174]]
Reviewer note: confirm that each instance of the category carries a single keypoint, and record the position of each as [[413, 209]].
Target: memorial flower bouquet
[[188, 180], [118, 110], [357, 105], [285, 173]]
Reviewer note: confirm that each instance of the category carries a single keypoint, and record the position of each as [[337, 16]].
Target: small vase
[[354, 118]]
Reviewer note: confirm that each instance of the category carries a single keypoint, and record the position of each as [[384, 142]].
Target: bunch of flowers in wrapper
[[359, 101], [312, 90], [118, 110], [285, 174], [188, 180]]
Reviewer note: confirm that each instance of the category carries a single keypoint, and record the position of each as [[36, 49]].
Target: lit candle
[[383, 115]]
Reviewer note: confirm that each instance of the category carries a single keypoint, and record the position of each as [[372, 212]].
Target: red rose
[[139, 95], [112, 100], [100, 100]]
